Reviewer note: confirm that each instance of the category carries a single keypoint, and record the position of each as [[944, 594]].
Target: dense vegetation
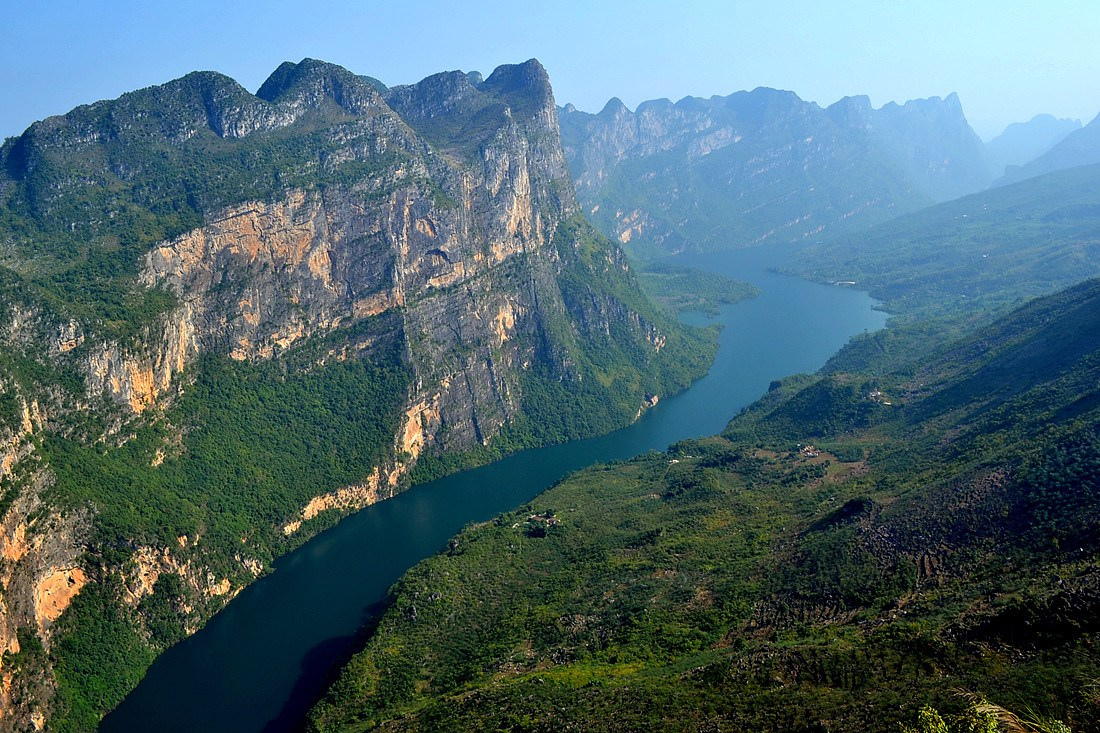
[[258, 441], [947, 269], [196, 490], [851, 551], [682, 289], [243, 449], [83, 197]]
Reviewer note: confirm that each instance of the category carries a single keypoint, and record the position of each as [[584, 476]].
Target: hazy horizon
[[1006, 63]]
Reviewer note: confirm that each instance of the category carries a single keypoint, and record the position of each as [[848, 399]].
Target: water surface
[[260, 663]]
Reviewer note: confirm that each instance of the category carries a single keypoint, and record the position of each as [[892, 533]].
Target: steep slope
[[230, 318], [954, 266], [1023, 142], [849, 551], [1081, 147], [929, 139], [763, 166]]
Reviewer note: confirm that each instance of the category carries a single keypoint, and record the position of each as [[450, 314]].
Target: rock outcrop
[[763, 167], [322, 220]]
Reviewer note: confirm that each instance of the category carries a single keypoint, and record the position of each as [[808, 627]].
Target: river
[[259, 664]]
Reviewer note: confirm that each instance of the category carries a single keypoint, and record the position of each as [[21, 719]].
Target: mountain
[[1022, 142], [850, 551], [228, 319], [1081, 147], [763, 166], [929, 139], [947, 269]]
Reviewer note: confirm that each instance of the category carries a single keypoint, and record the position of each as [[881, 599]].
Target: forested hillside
[[229, 319], [851, 550]]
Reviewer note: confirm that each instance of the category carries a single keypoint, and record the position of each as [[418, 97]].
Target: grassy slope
[[948, 269], [946, 540]]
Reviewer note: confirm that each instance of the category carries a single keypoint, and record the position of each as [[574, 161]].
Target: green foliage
[[820, 406], [11, 410], [745, 583], [929, 720], [259, 441], [31, 656], [163, 611], [948, 269], [237, 455], [682, 289], [87, 195], [99, 655]]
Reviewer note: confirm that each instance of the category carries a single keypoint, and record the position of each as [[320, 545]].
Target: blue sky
[[1008, 60]]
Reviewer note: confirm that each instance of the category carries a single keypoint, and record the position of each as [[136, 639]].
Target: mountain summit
[[228, 319], [764, 166]]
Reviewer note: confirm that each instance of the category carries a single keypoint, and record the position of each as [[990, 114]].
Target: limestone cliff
[[763, 167], [257, 246]]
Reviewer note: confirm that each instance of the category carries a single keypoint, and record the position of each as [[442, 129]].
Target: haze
[[1006, 61]]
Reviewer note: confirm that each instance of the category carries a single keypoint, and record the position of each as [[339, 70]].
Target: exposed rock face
[[40, 574], [929, 139], [139, 377], [428, 219], [765, 165], [261, 276]]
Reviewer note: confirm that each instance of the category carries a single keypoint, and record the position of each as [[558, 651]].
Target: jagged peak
[[310, 82], [525, 87], [689, 103], [289, 75], [950, 103], [529, 75], [174, 109], [772, 93], [661, 104], [447, 83], [278, 81], [378, 85], [613, 108], [208, 87], [854, 112], [451, 111], [856, 102]]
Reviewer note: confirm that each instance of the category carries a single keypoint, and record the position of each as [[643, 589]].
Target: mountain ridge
[[192, 264], [763, 166], [848, 552], [1080, 147]]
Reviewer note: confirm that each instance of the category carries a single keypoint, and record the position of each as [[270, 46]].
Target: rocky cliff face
[[436, 221], [929, 139], [763, 166]]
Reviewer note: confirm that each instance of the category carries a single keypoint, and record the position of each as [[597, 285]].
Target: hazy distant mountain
[[929, 138], [1022, 142], [1081, 147], [763, 166], [983, 252]]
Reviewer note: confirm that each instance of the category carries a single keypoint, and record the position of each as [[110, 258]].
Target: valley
[[440, 406]]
